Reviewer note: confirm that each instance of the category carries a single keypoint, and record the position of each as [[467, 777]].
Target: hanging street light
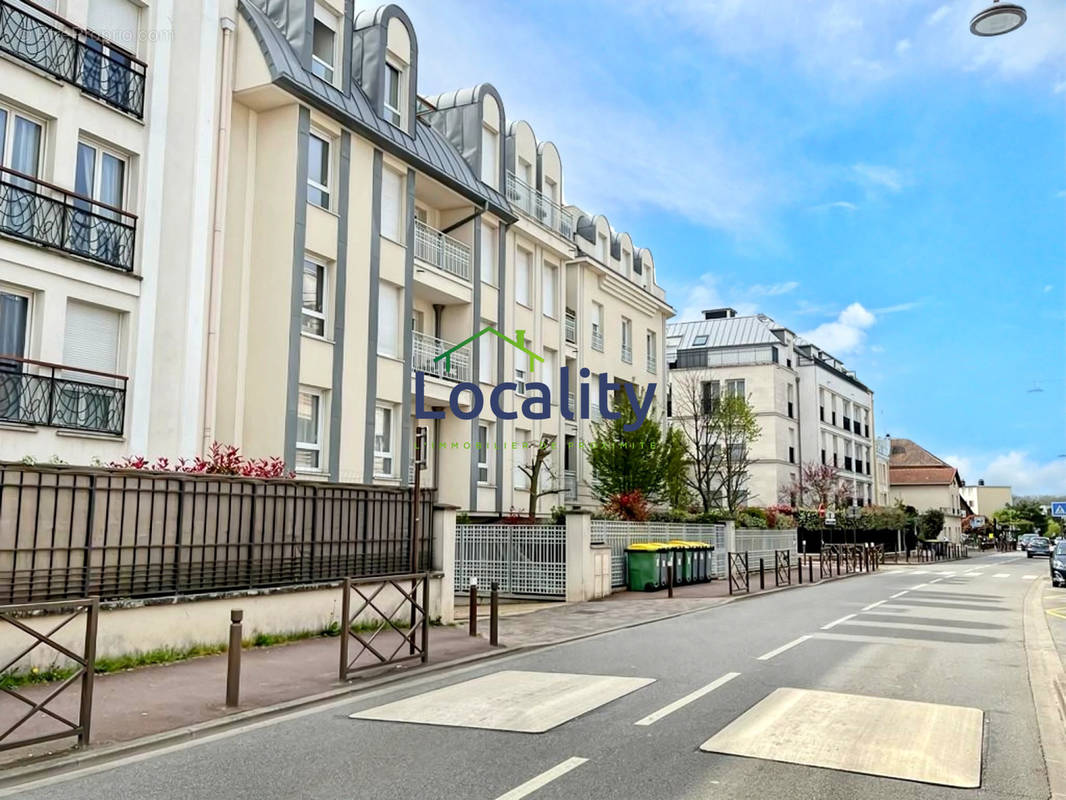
[[997, 19]]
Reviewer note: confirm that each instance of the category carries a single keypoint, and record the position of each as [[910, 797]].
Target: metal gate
[[526, 560]]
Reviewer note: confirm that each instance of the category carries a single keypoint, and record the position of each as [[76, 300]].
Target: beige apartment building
[[986, 499], [370, 229]]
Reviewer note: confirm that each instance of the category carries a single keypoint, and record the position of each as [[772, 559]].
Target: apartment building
[[882, 456], [809, 407], [986, 499], [370, 229], [923, 481]]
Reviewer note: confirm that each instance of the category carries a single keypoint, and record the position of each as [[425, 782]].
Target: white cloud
[[843, 205], [1059, 87], [1016, 468], [895, 309], [846, 334], [705, 293], [773, 289], [902, 46], [873, 175], [1048, 288], [938, 15]]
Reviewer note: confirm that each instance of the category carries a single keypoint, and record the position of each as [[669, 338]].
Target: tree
[[676, 490], [692, 416], [533, 471], [1030, 511], [622, 460], [930, 523], [818, 485]]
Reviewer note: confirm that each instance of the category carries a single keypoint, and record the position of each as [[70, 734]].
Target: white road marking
[[783, 648], [920, 572], [936, 580], [688, 698], [972, 574], [836, 622], [1001, 575], [1030, 577], [874, 605], [898, 594], [919, 586], [948, 574], [546, 777]]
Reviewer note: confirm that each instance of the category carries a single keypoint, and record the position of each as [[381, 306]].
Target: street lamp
[[997, 19]]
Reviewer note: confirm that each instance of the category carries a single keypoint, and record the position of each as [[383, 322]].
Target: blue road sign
[[1058, 508]]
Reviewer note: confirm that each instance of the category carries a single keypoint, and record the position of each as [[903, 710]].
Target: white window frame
[[28, 297], [389, 454], [325, 188], [101, 150], [549, 299], [520, 377], [484, 458], [329, 20], [402, 180], [395, 116], [314, 447], [9, 135], [397, 292], [308, 313]]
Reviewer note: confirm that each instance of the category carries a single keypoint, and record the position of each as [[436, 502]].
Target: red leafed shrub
[[516, 518], [221, 460], [631, 506]]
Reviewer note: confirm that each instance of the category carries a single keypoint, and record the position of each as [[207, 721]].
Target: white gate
[[619, 535], [526, 560]]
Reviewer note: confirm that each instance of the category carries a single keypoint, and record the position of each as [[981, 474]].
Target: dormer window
[[489, 146], [394, 94], [324, 44]]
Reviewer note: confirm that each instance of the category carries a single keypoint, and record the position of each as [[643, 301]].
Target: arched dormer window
[[385, 63]]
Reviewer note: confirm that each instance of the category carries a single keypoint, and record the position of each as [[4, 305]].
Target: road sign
[[977, 522], [830, 517], [1058, 508]]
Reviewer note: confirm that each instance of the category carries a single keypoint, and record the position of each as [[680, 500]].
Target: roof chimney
[[981, 482], [719, 313]]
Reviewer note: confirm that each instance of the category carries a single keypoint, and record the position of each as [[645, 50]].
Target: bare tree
[[691, 416], [817, 485], [537, 468]]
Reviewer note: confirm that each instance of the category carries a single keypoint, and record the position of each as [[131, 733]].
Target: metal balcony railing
[[594, 412], [45, 40], [627, 354], [539, 206], [652, 363], [571, 327], [571, 403], [570, 484], [442, 251], [49, 216], [426, 348], [597, 339], [40, 393]]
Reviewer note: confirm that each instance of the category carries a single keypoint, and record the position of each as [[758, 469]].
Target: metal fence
[[619, 535], [526, 560], [764, 544], [68, 533]]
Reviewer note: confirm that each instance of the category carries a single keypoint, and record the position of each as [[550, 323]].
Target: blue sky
[[864, 171]]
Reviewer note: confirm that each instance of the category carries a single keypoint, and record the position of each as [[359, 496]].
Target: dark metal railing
[[50, 43], [48, 397], [68, 533], [738, 573], [388, 625], [45, 214]]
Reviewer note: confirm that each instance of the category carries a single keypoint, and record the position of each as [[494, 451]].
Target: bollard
[[810, 570], [762, 577], [233, 661], [494, 614], [800, 570], [473, 606], [838, 563], [670, 580]]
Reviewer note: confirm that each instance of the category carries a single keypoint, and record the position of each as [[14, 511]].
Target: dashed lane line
[[542, 780], [783, 648], [836, 622], [655, 716], [899, 594], [874, 605]]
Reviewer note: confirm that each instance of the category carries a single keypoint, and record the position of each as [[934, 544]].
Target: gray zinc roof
[[427, 151], [731, 332]]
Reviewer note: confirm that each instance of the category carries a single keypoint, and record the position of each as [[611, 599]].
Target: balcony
[[48, 42], [571, 327], [597, 339], [652, 363], [425, 349], [442, 251], [539, 206], [46, 215], [627, 354], [46, 396], [570, 484]]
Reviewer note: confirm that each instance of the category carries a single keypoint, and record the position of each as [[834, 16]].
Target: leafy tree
[[930, 523], [539, 467], [676, 490], [818, 485], [622, 460], [1030, 511], [1054, 529]]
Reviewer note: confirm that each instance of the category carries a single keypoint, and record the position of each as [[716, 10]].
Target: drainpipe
[[214, 319]]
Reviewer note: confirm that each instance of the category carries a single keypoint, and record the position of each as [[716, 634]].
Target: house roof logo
[[518, 342]]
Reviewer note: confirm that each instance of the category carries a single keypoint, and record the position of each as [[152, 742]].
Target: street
[[949, 633]]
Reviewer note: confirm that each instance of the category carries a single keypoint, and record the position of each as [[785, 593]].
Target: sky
[[866, 172]]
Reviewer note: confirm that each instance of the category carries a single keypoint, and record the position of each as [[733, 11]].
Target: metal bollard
[[762, 576], [810, 570], [800, 570], [233, 661], [473, 606], [494, 614], [838, 563], [669, 580]]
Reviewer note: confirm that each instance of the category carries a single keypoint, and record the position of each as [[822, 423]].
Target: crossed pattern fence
[[15, 616], [619, 535], [525, 560], [401, 625], [739, 575], [782, 568]]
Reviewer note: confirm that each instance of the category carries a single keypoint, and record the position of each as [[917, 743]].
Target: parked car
[[1024, 539], [1058, 564], [1038, 546]]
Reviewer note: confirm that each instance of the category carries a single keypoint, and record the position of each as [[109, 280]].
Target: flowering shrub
[[221, 460], [630, 506]]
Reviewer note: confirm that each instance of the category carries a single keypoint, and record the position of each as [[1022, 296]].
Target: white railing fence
[[526, 560], [442, 250], [762, 544], [425, 350], [619, 535]]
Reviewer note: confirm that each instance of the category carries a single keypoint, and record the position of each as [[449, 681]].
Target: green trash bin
[[643, 566], [683, 562], [702, 556]]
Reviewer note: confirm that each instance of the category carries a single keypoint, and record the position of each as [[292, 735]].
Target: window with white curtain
[[383, 442], [392, 205], [549, 288], [484, 453], [309, 438], [388, 319], [523, 272], [489, 253]]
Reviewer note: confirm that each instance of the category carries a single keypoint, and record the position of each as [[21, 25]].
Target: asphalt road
[[949, 639]]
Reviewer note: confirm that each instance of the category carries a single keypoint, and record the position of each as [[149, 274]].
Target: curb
[[1045, 669], [55, 767]]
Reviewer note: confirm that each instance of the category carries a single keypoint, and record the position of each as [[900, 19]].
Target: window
[[20, 145], [324, 44], [735, 388], [105, 69], [489, 253], [604, 254], [790, 390], [549, 288], [392, 205], [550, 371], [309, 430], [14, 323], [388, 319], [100, 176], [651, 350], [627, 341], [699, 341], [489, 156], [520, 375], [711, 392], [597, 327], [486, 353], [521, 457], [523, 262], [319, 169], [90, 341], [483, 440], [314, 297], [394, 94], [627, 263], [383, 438]]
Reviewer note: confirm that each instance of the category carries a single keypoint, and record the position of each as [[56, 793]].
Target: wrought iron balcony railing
[[45, 40], [56, 396], [627, 354], [49, 216], [571, 327], [539, 206], [597, 339], [441, 250], [426, 348]]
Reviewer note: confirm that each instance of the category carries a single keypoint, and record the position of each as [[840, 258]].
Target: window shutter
[[388, 319], [390, 204], [90, 340], [116, 20]]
